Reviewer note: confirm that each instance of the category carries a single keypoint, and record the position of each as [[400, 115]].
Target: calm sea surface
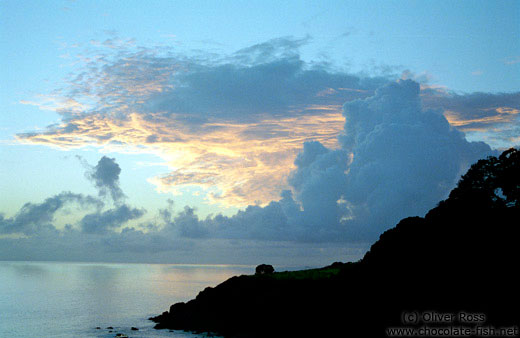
[[47, 299]]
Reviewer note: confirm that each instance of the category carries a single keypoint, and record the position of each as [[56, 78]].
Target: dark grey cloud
[[105, 176], [319, 182], [470, 106], [266, 79], [103, 221], [280, 87]]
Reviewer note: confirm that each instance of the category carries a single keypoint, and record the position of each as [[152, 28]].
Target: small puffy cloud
[[105, 176]]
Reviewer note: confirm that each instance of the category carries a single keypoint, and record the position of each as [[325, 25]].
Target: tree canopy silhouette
[[494, 181], [264, 269]]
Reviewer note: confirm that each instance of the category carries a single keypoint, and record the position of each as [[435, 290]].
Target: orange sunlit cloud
[[503, 115], [236, 163]]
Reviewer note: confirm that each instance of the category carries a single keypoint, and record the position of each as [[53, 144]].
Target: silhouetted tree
[[264, 269], [494, 181]]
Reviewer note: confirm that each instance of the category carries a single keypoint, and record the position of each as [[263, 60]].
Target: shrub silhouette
[[264, 269]]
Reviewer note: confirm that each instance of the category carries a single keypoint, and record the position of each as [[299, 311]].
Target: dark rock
[[110, 328], [134, 329]]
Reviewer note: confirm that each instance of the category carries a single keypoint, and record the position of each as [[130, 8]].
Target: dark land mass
[[461, 257]]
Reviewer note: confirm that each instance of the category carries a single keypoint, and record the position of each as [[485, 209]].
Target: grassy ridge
[[326, 272]]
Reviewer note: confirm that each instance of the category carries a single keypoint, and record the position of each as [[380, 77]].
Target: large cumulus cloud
[[405, 158], [396, 159]]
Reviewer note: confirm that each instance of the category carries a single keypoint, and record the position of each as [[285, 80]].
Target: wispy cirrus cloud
[[512, 60]]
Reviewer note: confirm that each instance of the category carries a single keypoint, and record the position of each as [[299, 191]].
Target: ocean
[[54, 299]]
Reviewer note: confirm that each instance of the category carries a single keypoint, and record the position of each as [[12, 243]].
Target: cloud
[[491, 117], [231, 125], [101, 222], [396, 159], [314, 155], [33, 217], [36, 218], [133, 245], [475, 110], [512, 60], [188, 225], [405, 158], [105, 176]]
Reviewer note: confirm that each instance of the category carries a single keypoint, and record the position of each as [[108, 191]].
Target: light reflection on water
[[50, 299]]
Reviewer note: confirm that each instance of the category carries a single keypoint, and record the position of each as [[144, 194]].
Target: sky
[[242, 132]]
